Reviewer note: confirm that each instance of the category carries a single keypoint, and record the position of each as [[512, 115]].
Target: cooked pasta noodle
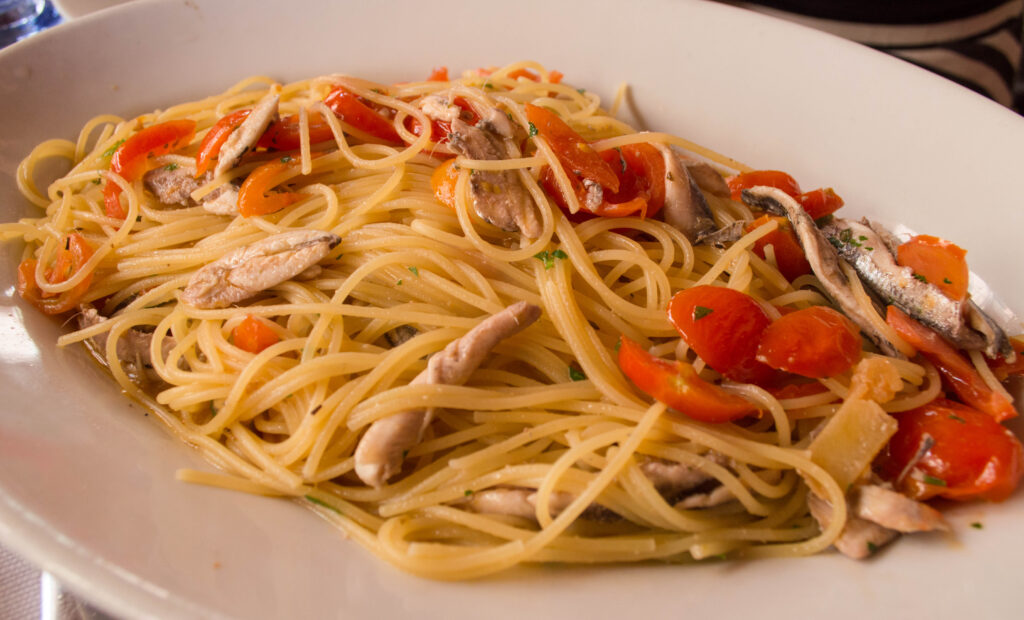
[[548, 412]]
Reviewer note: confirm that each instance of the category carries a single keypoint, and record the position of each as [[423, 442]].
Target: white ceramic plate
[[78, 8], [86, 481]]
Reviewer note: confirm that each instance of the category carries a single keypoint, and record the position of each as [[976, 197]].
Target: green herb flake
[[560, 254], [825, 219], [618, 345], [872, 547], [97, 180], [171, 166], [399, 283], [533, 130], [110, 152], [415, 271], [977, 525], [322, 503], [947, 281], [699, 312], [622, 160], [920, 277], [576, 375], [405, 453], [868, 248], [957, 418], [546, 258], [838, 244], [932, 480], [468, 492], [286, 159]]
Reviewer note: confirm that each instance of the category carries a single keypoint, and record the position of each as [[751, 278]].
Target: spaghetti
[[547, 452]]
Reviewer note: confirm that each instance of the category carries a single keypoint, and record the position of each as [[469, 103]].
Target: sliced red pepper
[[253, 335], [73, 253], [812, 342], [957, 370], [723, 326], [253, 197], [284, 134], [131, 158], [946, 449], [677, 385], [573, 152], [351, 109], [938, 261], [215, 139], [789, 254]]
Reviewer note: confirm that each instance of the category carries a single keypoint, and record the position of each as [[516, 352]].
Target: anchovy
[[823, 258], [871, 250], [685, 206]]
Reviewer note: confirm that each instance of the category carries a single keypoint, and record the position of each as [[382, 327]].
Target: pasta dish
[[479, 321]]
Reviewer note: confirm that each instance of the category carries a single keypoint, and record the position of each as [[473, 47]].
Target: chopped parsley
[[846, 236], [576, 375], [932, 480], [954, 416], [110, 152], [947, 281], [97, 180], [977, 525], [872, 547], [920, 277], [699, 312], [171, 166], [320, 502], [581, 90], [868, 248], [468, 492], [533, 130], [548, 258], [405, 453], [286, 159], [415, 271], [399, 283], [618, 345], [622, 160]]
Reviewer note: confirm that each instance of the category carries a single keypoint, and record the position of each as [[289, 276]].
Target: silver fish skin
[[870, 249], [823, 258]]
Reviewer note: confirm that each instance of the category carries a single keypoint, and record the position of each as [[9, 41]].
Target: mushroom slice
[[381, 450], [248, 133], [823, 258], [685, 206], [248, 270]]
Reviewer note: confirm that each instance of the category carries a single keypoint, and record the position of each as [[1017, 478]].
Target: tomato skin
[[938, 261], [769, 178], [350, 109], [789, 254], [130, 159], [573, 152], [252, 196], [677, 385], [640, 169], [723, 326], [253, 335], [215, 139], [958, 372], [74, 252], [442, 181], [820, 202], [973, 455], [438, 74], [284, 134], [813, 342]]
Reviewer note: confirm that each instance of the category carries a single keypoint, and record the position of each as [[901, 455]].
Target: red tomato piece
[[971, 455], [131, 158], [439, 130], [216, 137], [755, 178], [284, 135], [640, 169], [937, 261], [813, 342], [1003, 369], [820, 202], [362, 116], [253, 198], [438, 74], [957, 370], [253, 335], [789, 255], [723, 327], [573, 152], [70, 257], [677, 385]]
